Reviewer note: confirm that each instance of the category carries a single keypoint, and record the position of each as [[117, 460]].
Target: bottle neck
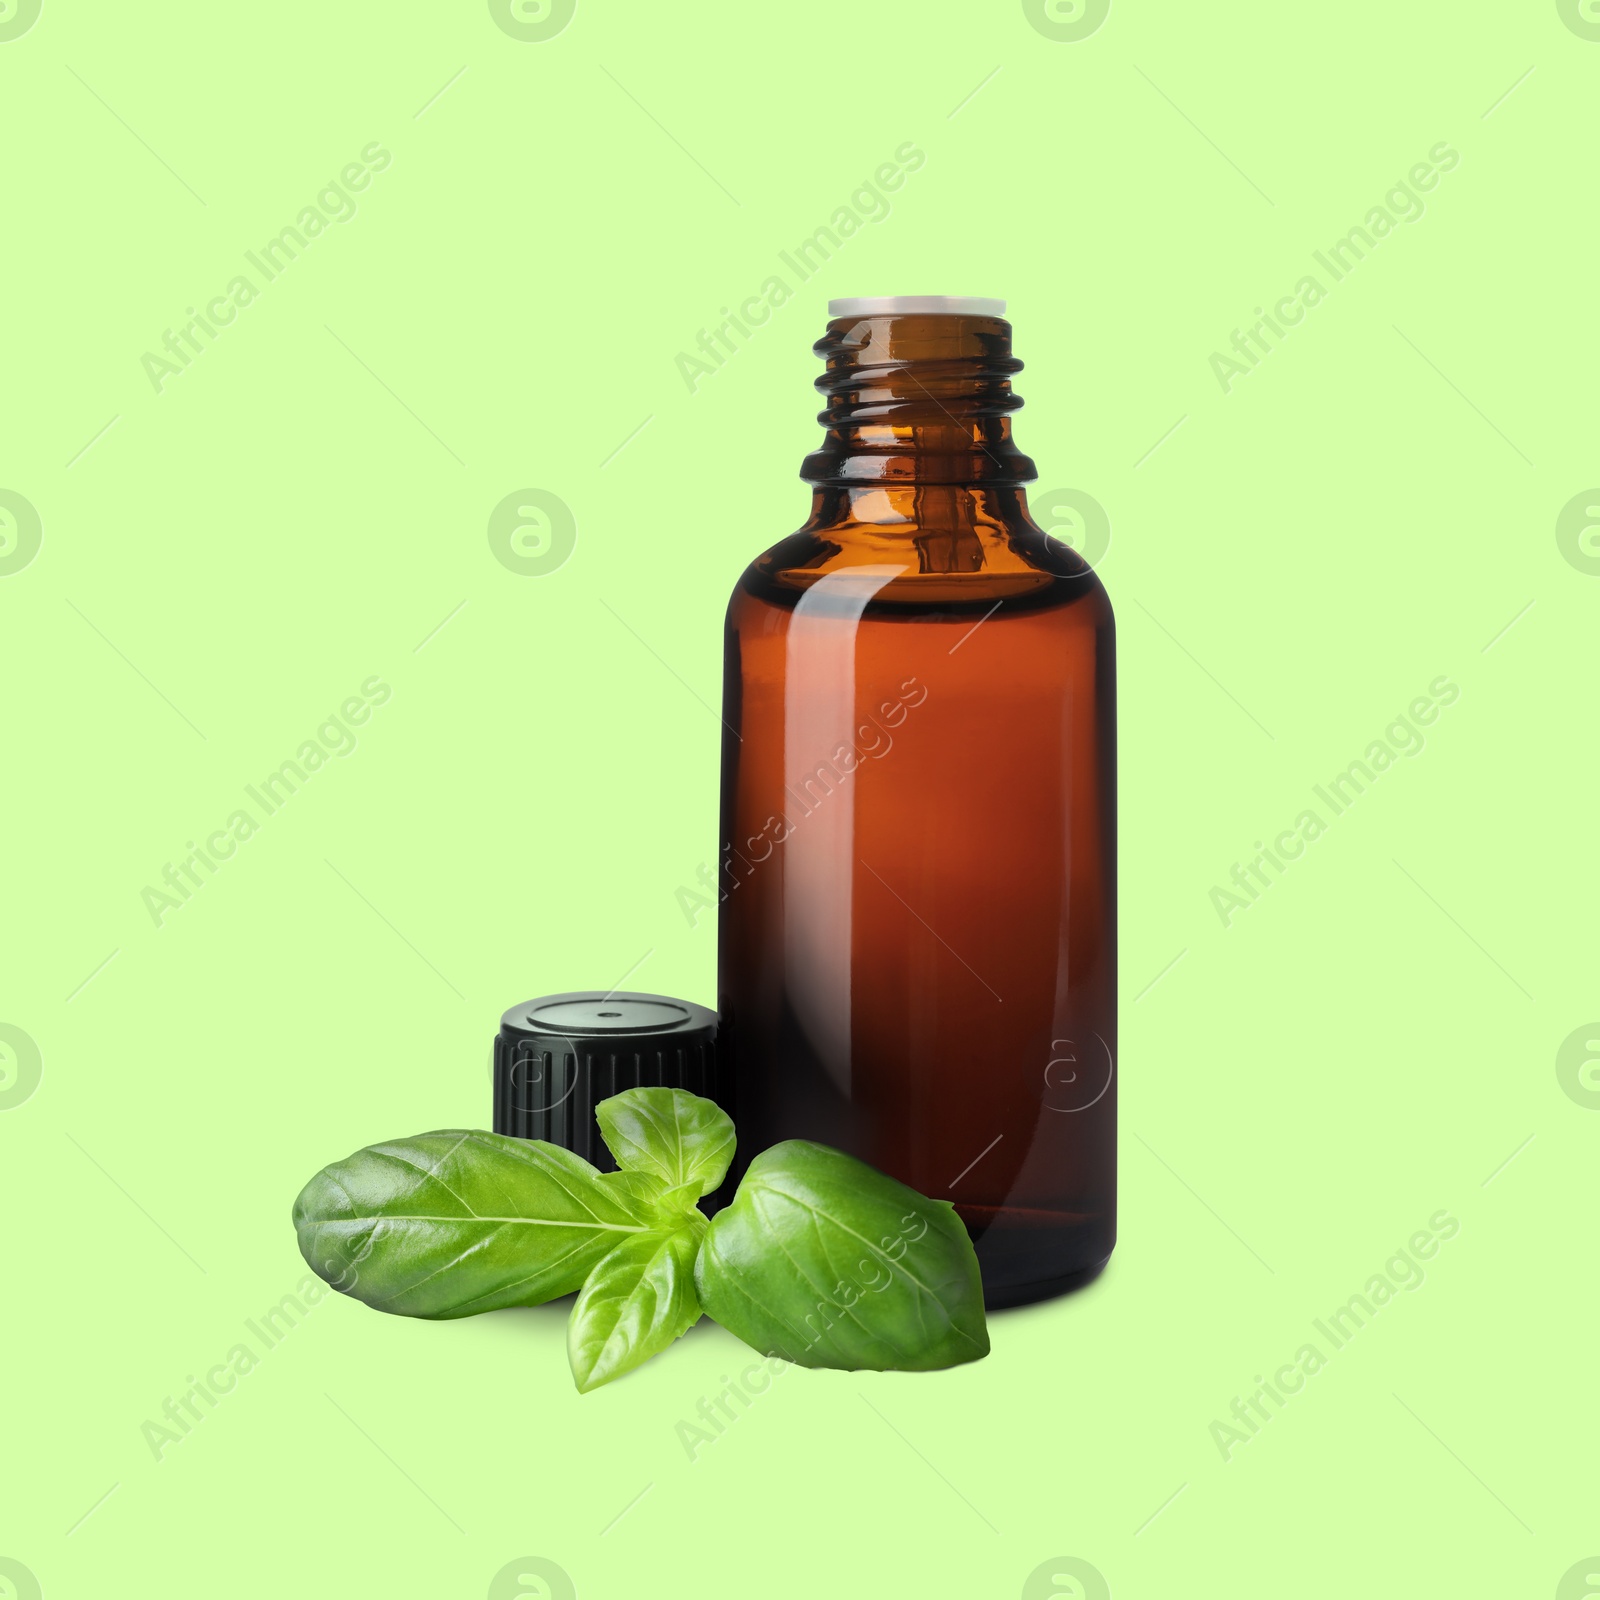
[[917, 401]]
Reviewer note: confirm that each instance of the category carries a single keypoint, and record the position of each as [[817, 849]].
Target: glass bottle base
[[1027, 1255], [1026, 1294]]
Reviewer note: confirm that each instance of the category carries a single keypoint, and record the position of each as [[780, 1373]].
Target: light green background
[[226, 561]]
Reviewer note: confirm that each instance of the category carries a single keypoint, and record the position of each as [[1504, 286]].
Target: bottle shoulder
[[935, 571]]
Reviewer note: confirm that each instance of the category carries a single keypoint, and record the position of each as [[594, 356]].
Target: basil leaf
[[827, 1262], [680, 1137], [685, 1198], [636, 1302], [652, 1199], [452, 1223], [640, 1190]]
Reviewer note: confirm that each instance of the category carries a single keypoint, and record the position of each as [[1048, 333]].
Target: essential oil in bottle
[[917, 943]]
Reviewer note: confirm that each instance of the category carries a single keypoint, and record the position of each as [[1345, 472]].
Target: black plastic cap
[[556, 1058]]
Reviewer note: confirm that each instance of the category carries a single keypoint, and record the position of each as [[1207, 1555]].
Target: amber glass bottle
[[918, 922]]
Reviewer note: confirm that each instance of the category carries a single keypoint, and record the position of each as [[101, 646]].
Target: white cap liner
[[950, 305]]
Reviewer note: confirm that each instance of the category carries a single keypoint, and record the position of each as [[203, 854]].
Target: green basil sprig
[[819, 1259]]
